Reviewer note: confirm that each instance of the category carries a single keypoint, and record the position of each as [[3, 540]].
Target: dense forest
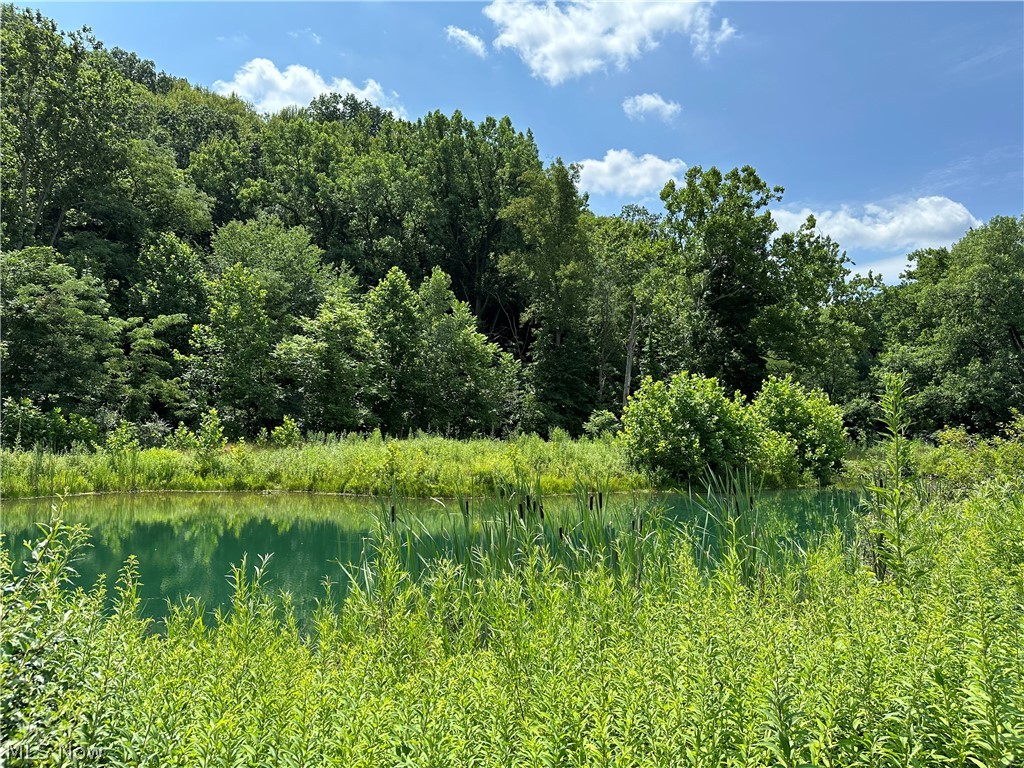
[[167, 250]]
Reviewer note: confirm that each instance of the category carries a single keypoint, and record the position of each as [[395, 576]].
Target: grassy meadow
[[417, 467], [642, 649], [582, 637]]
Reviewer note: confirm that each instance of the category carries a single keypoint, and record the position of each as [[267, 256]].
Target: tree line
[[167, 250]]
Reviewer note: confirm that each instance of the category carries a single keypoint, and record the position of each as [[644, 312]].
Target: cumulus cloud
[[639, 106], [562, 41], [924, 222], [269, 89], [467, 40], [623, 173]]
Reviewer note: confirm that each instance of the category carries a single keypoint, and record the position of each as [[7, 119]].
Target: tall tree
[[63, 124], [394, 313], [957, 328], [57, 337], [230, 366], [468, 382], [325, 368], [288, 267], [554, 270], [724, 231]]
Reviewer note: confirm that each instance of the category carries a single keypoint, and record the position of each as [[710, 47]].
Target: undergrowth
[[620, 645], [417, 467]]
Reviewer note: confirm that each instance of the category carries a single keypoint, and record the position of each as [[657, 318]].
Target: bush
[[683, 427], [809, 419], [602, 423], [773, 456], [182, 439], [210, 443], [23, 424], [287, 435]]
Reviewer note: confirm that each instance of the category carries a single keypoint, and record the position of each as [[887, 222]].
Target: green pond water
[[187, 543]]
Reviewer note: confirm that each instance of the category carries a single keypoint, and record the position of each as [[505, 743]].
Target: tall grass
[[608, 646], [418, 467]]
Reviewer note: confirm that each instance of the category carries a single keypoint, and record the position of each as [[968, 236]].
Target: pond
[[187, 543]]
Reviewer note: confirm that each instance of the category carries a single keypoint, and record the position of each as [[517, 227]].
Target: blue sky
[[899, 125]]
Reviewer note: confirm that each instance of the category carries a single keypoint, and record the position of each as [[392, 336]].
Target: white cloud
[[561, 41], [924, 222], [308, 34], [637, 107], [623, 173], [890, 267], [467, 40], [269, 89], [239, 38]]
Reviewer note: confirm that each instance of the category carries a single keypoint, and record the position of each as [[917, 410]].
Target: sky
[[897, 125]]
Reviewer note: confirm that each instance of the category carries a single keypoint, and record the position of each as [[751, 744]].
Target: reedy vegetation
[[614, 650], [422, 466]]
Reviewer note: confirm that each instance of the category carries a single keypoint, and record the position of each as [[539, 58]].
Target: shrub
[[23, 424], [602, 423], [809, 419], [211, 442], [684, 426], [773, 456], [287, 435], [182, 439]]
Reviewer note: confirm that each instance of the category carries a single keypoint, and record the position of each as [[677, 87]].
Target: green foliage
[[774, 456], [963, 460], [553, 269], [167, 249], [682, 428], [325, 368], [722, 229], [57, 337], [892, 530], [630, 648], [281, 259], [145, 374], [172, 281], [182, 439], [602, 423], [809, 420], [958, 329], [286, 435], [210, 444], [394, 314], [465, 378], [43, 662], [64, 133], [24, 425], [230, 364], [422, 467]]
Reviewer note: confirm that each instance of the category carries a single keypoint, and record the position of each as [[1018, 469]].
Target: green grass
[[632, 649], [419, 467]]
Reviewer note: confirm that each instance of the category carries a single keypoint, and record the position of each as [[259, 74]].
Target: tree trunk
[[634, 327]]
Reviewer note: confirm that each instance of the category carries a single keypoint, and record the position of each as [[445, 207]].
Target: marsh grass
[[609, 646], [418, 467]]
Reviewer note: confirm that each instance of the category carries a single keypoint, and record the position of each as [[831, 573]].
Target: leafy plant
[[683, 427], [890, 525], [808, 419], [287, 435]]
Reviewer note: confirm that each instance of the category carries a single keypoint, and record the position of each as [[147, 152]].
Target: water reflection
[[186, 543]]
